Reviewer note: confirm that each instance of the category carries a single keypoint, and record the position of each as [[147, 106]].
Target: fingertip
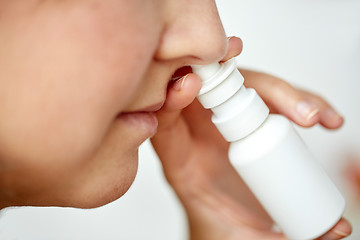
[[341, 230], [182, 92], [306, 114], [306, 122], [235, 46], [191, 85], [331, 119]]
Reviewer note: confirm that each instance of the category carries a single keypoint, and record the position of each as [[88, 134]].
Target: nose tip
[[196, 48], [196, 35], [212, 50]]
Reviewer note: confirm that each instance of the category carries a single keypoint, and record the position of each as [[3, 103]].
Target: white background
[[314, 44]]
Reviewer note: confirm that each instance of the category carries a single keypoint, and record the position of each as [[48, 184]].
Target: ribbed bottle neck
[[238, 111]]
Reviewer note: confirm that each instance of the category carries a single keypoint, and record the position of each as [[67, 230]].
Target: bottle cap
[[237, 111]]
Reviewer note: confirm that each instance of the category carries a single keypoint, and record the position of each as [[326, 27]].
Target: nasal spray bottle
[[269, 155]]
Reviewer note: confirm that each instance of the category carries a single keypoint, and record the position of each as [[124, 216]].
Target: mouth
[[142, 125], [144, 121]]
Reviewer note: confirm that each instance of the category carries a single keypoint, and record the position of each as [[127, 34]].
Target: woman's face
[[79, 82]]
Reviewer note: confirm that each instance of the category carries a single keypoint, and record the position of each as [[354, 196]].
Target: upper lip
[[153, 108], [180, 72], [149, 109]]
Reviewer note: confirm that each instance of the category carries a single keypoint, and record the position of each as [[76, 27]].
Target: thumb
[[180, 94], [173, 139]]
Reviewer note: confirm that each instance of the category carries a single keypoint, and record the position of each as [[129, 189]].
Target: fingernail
[[340, 233], [179, 83], [341, 229], [334, 234], [307, 110]]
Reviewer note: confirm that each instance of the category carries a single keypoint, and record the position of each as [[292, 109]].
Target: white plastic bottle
[[269, 155]]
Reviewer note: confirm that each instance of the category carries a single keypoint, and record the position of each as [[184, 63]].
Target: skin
[[68, 68], [79, 84]]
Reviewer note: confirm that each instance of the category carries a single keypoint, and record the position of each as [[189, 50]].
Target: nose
[[195, 34]]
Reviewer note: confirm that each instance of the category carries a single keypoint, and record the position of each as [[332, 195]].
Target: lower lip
[[144, 123]]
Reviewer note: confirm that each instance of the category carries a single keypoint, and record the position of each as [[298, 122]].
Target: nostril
[[179, 73]]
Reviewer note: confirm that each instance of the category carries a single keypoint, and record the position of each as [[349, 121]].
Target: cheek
[[65, 84]]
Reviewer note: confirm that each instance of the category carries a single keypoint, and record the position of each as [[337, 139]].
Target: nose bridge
[[195, 32]]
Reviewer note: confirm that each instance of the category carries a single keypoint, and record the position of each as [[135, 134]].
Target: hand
[[352, 175], [194, 157]]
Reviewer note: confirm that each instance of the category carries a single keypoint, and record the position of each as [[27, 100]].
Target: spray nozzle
[[237, 111], [206, 71]]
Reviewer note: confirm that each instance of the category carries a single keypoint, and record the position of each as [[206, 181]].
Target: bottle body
[[291, 186], [269, 155]]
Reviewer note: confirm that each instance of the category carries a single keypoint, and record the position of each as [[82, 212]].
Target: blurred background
[[313, 44]]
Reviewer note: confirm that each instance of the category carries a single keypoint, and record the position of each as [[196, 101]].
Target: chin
[[99, 181], [104, 198], [97, 197], [91, 192], [112, 188]]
